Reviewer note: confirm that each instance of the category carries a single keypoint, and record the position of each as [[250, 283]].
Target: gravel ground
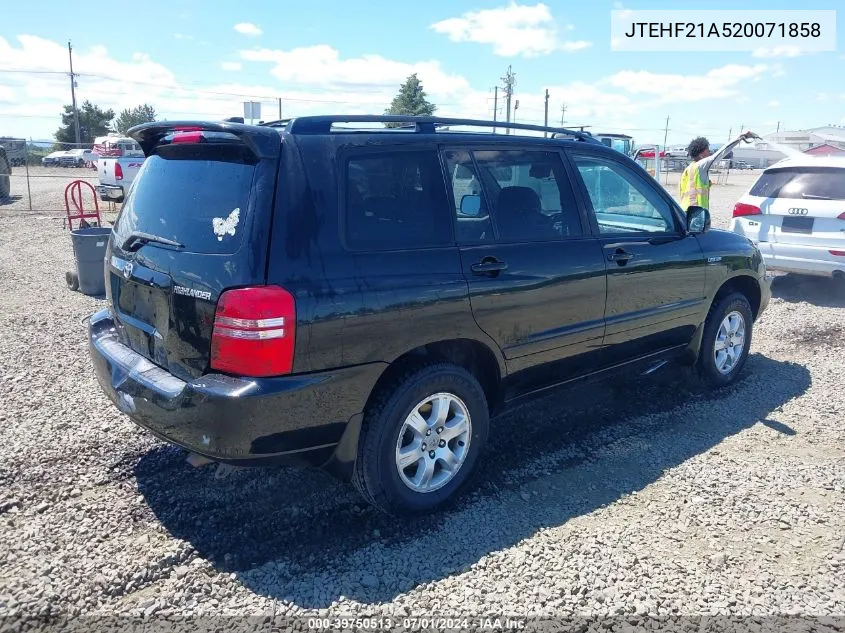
[[645, 497]]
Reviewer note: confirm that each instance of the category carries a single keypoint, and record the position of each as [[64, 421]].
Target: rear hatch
[[195, 222], [801, 205]]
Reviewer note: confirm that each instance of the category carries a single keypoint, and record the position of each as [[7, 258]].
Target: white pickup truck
[[118, 162]]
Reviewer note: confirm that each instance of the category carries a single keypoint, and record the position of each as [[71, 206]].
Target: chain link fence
[[39, 174]]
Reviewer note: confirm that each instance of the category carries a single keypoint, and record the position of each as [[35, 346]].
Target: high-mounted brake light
[[118, 171], [254, 332], [741, 209], [192, 136]]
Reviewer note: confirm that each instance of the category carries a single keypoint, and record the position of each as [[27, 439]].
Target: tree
[[410, 100], [130, 118], [93, 122]]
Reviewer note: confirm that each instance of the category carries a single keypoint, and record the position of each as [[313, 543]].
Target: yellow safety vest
[[692, 192]]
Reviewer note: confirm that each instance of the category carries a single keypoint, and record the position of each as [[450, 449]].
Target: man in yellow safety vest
[[694, 188]]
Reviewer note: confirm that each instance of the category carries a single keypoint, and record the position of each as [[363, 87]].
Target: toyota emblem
[[797, 211], [127, 270]]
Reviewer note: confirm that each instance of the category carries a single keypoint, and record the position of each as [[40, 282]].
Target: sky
[[332, 56]]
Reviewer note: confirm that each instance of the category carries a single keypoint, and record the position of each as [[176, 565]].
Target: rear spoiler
[[264, 142]]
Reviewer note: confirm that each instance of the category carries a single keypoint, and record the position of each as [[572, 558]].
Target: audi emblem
[[797, 211], [127, 270]]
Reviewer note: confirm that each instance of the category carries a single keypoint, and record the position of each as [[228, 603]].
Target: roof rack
[[420, 124]]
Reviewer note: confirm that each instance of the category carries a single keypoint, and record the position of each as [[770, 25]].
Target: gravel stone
[[635, 497]]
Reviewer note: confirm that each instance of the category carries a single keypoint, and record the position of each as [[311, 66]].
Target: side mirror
[[698, 220], [471, 205]]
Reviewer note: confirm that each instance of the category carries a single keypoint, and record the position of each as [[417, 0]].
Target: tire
[[5, 180], [720, 370], [377, 475]]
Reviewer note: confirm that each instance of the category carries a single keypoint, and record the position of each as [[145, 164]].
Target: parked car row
[[70, 158]]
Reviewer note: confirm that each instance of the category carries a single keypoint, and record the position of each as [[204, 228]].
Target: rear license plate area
[[797, 225]]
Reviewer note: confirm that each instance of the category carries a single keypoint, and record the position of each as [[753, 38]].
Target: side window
[[531, 196], [396, 200], [472, 220], [621, 202]]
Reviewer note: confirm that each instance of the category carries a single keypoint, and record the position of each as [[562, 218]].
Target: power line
[[135, 82]]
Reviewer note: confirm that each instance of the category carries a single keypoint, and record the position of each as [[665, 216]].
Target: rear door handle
[[488, 266], [620, 256]]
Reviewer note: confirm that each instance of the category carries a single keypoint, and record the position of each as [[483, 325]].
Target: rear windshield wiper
[[812, 197], [137, 239]]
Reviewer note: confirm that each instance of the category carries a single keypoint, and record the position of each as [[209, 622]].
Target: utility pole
[[546, 115], [510, 82], [562, 114], [73, 94], [280, 108], [495, 106], [778, 130]]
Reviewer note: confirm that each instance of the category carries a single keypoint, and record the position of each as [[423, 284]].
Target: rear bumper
[[808, 260], [230, 419], [110, 192]]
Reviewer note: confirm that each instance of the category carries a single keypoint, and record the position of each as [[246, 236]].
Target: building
[[758, 157], [826, 149], [802, 140]]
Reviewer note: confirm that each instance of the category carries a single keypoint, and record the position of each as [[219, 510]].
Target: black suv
[[365, 299]]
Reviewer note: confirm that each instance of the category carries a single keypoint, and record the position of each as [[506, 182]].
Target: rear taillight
[[118, 171], [741, 209], [841, 216], [837, 253], [254, 332]]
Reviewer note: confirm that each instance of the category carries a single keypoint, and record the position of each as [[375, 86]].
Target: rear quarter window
[[197, 195], [396, 200], [801, 183]]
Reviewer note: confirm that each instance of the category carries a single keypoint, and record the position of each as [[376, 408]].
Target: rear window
[[197, 195], [805, 183]]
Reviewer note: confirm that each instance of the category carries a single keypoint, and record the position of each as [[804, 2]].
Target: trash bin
[[89, 251]]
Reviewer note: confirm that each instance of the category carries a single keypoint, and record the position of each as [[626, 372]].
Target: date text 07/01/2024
[[726, 29]]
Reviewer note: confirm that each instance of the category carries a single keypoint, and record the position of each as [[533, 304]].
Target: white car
[[795, 214], [76, 158]]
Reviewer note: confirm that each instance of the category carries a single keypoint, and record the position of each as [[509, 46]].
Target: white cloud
[[321, 82], [822, 96], [183, 36], [620, 12], [715, 84], [774, 103], [323, 66], [517, 29], [784, 50], [248, 28], [231, 65]]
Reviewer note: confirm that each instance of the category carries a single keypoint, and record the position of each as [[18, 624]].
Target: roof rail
[[421, 124], [278, 123]]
